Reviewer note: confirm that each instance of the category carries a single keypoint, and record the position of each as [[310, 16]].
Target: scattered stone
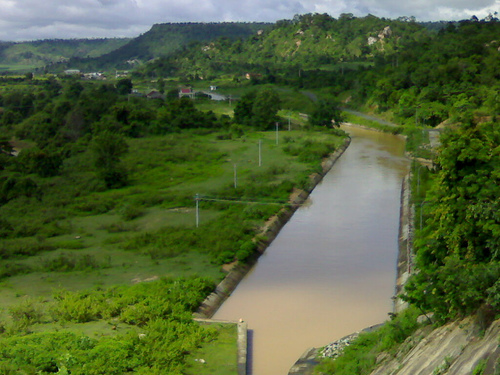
[[336, 348]]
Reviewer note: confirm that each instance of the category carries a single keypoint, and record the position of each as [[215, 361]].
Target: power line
[[231, 200], [199, 198]]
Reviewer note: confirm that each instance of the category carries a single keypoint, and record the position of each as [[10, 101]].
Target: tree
[[258, 109], [243, 109], [160, 84], [265, 109], [326, 114], [458, 253], [108, 148], [124, 86]]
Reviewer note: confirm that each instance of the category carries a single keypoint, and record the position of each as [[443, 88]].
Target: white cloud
[[35, 19]]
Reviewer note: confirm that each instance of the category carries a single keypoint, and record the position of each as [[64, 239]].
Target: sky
[[22, 20]]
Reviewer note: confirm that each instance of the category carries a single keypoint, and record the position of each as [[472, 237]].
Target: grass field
[[82, 238], [218, 357]]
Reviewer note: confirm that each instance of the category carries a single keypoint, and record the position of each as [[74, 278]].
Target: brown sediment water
[[331, 270]]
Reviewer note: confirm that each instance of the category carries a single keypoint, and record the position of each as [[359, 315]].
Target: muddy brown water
[[331, 270]]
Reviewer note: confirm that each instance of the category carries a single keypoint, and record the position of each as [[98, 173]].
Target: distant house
[[136, 94], [186, 92], [72, 72], [216, 97], [94, 75], [121, 74], [155, 95], [253, 76]]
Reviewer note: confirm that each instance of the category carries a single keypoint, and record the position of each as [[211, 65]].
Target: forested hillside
[[163, 40], [398, 68], [29, 56], [311, 41]]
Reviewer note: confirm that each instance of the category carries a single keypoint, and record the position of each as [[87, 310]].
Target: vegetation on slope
[[102, 194], [162, 40], [456, 245], [28, 56]]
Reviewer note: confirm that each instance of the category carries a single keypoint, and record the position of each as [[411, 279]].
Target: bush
[[76, 307], [20, 247], [246, 251], [6, 229], [27, 312], [131, 212], [13, 269], [66, 263]]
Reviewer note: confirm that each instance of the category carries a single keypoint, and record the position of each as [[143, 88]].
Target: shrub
[[119, 227], [246, 250], [13, 269], [18, 247], [6, 229], [131, 212], [27, 312], [64, 263], [76, 307]]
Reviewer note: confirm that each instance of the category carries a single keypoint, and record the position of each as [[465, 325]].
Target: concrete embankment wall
[[306, 363], [212, 303], [404, 266]]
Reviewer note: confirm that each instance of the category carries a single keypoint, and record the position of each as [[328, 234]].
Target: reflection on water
[[331, 270]]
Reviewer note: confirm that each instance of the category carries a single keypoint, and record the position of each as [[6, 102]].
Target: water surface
[[331, 270]]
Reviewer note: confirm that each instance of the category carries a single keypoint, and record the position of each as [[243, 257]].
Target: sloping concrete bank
[[404, 266], [212, 303], [310, 359], [458, 348]]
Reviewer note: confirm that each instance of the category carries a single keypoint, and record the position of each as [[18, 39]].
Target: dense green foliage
[[153, 331], [102, 193], [457, 249], [37, 54], [163, 40], [326, 114], [258, 109], [448, 75], [292, 47]]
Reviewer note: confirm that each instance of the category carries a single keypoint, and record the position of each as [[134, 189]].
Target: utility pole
[[197, 199], [277, 133], [235, 177], [260, 152], [289, 121]]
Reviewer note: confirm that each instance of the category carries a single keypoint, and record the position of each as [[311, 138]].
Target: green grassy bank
[[104, 281]]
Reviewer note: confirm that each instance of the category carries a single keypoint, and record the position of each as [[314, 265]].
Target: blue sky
[[35, 19]]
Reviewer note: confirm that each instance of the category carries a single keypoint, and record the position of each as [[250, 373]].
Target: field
[[81, 262]]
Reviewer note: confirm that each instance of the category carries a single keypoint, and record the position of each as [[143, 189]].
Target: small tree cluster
[[258, 109]]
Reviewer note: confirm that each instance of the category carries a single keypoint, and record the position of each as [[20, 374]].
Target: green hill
[[36, 54], [310, 41], [163, 40]]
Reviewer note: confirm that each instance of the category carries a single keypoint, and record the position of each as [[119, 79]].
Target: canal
[[331, 270]]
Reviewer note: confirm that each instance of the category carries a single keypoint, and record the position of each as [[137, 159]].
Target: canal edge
[[241, 341], [212, 303], [310, 358]]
